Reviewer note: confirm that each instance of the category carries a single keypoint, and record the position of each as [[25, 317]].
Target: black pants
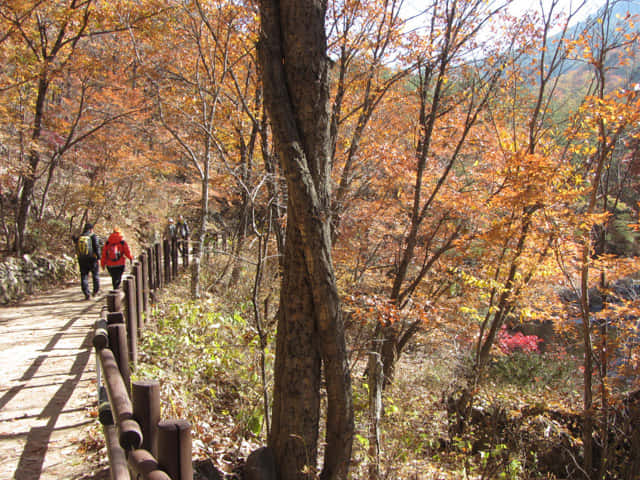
[[85, 269], [116, 275]]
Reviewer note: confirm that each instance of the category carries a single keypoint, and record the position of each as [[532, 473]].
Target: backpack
[[84, 247], [114, 251]]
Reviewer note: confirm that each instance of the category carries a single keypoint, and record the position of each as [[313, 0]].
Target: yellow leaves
[[526, 180], [471, 312], [601, 118], [478, 282]]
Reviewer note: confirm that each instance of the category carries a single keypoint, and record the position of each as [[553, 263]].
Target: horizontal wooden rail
[[143, 463], [122, 409], [130, 414], [116, 454]]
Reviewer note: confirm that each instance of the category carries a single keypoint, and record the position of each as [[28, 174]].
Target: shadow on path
[[41, 422], [32, 457]]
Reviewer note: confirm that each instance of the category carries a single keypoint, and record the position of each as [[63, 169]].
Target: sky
[[412, 7], [518, 6], [591, 6]]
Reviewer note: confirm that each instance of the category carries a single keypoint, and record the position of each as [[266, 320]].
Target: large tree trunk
[[293, 60], [296, 400]]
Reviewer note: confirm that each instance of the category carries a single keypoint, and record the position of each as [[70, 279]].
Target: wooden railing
[[139, 444]]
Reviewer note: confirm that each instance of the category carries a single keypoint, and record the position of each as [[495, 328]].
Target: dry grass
[[206, 357]]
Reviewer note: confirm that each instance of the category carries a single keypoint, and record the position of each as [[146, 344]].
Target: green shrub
[[210, 360], [533, 370]]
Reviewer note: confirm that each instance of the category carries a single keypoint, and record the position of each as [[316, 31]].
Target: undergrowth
[[533, 371], [206, 356]]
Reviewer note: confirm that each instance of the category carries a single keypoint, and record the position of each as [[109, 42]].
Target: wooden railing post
[[144, 284], [105, 415], [118, 345], [150, 270], [158, 266], [166, 256], [185, 252], [101, 338], [114, 301], [130, 297], [115, 317], [174, 449], [136, 273], [174, 258], [145, 395]]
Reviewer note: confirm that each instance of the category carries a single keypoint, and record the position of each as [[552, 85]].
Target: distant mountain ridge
[[621, 7], [575, 72]]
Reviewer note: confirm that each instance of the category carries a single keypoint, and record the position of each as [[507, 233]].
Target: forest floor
[[48, 387], [48, 425]]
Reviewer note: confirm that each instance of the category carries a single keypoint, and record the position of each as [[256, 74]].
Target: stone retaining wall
[[24, 276]]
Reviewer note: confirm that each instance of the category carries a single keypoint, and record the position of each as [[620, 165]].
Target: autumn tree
[[366, 40], [450, 92], [525, 124], [187, 92], [310, 340], [524, 190], [48, 38], [603, 131], [54, 101], [246, 151]]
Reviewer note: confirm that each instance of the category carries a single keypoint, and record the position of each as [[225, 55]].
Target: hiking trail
[[48, 386]]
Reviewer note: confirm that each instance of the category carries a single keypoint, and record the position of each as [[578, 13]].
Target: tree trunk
[[238, 245], [296, 399], [587, 394], [24, 204], [29, 179], [375, 413], [246, 160], [294, 68], [198, 246]]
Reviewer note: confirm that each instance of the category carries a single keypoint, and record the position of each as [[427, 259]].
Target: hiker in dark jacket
[[114, 256], [170, 231], [183, 234], [88, 252]]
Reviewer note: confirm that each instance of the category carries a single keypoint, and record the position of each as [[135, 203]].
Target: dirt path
[[48, 386]]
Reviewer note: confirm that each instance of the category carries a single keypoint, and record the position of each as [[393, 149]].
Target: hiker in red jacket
[[114, 256]]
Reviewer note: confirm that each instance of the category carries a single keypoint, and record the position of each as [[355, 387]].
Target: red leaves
[[518, 342]]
